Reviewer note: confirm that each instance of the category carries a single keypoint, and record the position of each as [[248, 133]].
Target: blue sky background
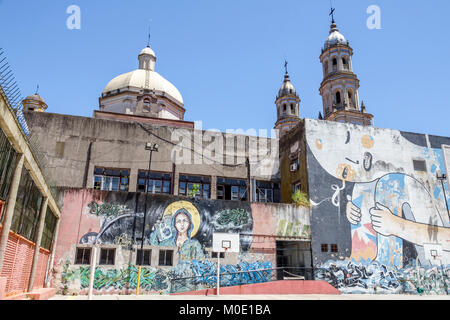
[[226, 57]]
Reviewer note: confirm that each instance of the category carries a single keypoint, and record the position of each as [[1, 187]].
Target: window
[[83, 256], [146, 107], [284, 108], [165, 257], [7, 164], [214, 255], [334, 61], [111, 179], [344, 63], [187, 183], [292, 109], [324, 247], [267, 191], [155, 182], [419, 165], [326, 67], [334, 248], [27, 208], [107, 256], [231, 189], [145, 255], [338, 97], [296, 186], [49, 229]]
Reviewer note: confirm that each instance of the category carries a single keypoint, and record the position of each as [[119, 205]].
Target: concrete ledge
[[42, 294], [19, 296], [275, 287]]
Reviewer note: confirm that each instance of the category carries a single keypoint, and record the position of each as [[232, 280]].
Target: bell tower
[[288, 103], [340, 86]]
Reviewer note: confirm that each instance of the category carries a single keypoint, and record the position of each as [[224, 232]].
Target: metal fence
[[11, 91]]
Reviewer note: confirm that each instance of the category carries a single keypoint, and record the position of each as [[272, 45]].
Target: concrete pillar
[[53, 250], [11, 203], [40, 227], [213, 187]]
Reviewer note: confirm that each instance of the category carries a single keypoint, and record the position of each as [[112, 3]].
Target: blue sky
[[226, 57]]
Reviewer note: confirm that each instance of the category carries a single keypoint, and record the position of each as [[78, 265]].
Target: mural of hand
[[383, 220], [352, 212]]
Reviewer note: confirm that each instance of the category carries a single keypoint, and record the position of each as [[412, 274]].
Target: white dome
[[335, 38], [148, 50], [137, 79]]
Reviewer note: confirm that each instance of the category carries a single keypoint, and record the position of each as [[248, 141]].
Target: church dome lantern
[[143, 92]]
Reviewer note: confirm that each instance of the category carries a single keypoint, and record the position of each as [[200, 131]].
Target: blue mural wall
[[375, 197]]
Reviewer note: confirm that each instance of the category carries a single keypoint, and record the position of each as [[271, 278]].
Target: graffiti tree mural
[[374, 193]]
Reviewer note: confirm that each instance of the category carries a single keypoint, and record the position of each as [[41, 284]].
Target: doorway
[[294, 260]]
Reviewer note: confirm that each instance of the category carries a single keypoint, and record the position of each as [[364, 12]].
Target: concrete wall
[[388, 219], [74, 146], [109, 218]]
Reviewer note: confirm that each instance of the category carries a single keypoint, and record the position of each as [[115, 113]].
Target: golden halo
[[175, 206]]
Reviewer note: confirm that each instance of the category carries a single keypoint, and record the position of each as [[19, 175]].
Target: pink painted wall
[[274, 287]]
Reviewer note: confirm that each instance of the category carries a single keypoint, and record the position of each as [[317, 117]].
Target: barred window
[[107, 256], [83, 256], [324, 247], [165, 257], [334, 248], [145, 255]]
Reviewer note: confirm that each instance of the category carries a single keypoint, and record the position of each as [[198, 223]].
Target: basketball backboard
[[226, 242]]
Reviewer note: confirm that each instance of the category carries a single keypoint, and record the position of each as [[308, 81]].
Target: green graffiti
[[237, 217], [107, 210], [288, 228], [123, 240], [306, 232], [151, 279]]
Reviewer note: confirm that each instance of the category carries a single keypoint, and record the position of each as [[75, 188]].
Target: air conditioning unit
[[294, 167]]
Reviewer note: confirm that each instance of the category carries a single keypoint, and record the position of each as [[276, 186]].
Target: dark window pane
[[182, 189], [158, 185], [142, 174], [166, 187], [146, 257]]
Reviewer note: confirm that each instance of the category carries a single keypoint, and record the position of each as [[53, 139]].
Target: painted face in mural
[[182, 223], [358, 155]]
